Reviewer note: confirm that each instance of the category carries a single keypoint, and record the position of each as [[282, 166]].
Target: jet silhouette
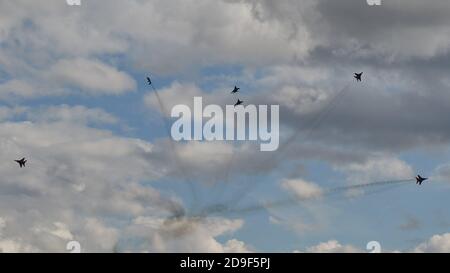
[[420, 179], [239, 102], [235, 90], [358, 76], [149, 81], [21, 162]]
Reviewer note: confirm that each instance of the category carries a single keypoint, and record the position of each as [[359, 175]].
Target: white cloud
[[302, 189], [66, 44], [235, 246], [72, 174], [77, 114], [77, 187], [332, 246], [73, 76], [183, 235], [71, 114], [81, 180], [378, 168], [96, 229], [439, 243], [16, 87], [442, 172], [90, 76], [59, 230], [15, 246], [176, 93]]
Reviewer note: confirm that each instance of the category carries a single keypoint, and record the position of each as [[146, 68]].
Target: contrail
[[220, 208], [309, 129], [172, 145]]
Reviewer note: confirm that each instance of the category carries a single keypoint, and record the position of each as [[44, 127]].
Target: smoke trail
[[291, 201], [174, 154], [371, 184], [315, 122], [309, 129], [221, 189]]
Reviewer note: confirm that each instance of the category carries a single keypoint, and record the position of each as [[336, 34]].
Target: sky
[[102, 169]]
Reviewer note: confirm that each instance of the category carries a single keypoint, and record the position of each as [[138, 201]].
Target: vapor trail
[[222, 187], [220, 209], [172, 146], [313, 124], [316, 121]]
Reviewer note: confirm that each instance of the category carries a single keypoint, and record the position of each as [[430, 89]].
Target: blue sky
[[101, 167]]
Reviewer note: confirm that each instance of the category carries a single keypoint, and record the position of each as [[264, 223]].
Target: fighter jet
[[235, 90], [420, 179], [239, 102], [149, 81], [358, 76], [21, 162]]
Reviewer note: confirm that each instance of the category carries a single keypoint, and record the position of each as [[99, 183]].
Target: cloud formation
[[86, 182]]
